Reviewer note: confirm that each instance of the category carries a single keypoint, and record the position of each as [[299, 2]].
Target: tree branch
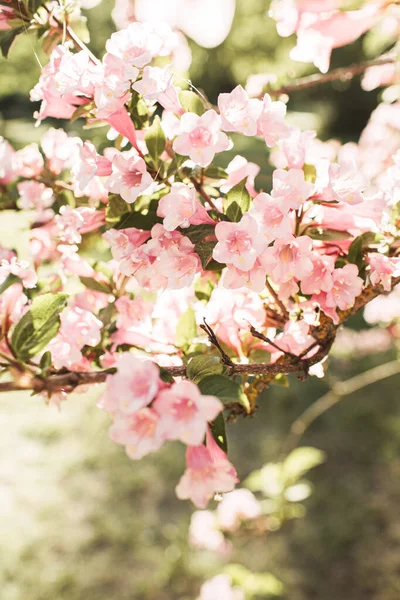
[[324, 335], [342, 73]]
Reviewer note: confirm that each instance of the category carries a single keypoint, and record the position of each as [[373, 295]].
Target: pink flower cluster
[[147, 412]]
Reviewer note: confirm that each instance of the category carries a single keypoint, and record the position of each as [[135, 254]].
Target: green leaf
[[205, 251], [218, 431], [237, 201], [355, 254], [155, 140], [8, 281], [186, 329], [310, 173], [138, 220], [200, 367], [6, 39], [38, 326], [97, 286], [45, 361], [165, 375], [116, 207], [226, 389], [301, 460], [214, 172], [327, 235], [254, 584], [203, 288], [191, 102], [197, 233]]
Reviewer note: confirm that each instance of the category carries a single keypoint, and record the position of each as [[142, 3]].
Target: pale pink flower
[[320, 279], [341, 182], [270, 123], [28, 162], [7, 164], [60, 150], [291, 188], [154, 82], [123, 124], [379, 76], [295, 150], [133, 312], [383, 268], [124, 241], [238, 169], [19, 268], [90, 164], [12, 303], [295, 338], [254, 279], [77, 73], [319, 34], [139, 433], [69, 222], [185, 412], [180, 208], [201, 137], [129, 178], [239, 244], [289, 257], [204, 532], [78, 328], [347, 285], [220, 588], [238, 112], [35, 195], [134, 45], [271, 215], [237, 506], [134, 385], [208, 471]]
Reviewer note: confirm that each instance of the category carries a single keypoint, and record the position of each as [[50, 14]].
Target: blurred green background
[[80, 521]]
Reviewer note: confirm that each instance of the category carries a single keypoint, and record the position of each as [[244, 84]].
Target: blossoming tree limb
[[174, 281]]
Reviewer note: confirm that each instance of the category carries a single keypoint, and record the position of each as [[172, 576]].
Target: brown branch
[[203, 194], [324, 335], [342, 73]]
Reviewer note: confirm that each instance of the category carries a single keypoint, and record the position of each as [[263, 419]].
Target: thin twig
[[342, 73], [214, 341], [204, 194], [276, 298], [331, 398]]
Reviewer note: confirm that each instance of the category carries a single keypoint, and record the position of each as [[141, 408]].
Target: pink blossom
[[238, 169], [239, 244], [318, 35], [341, 182], [134, 45], [123, 124], [154, 82], [185, 412], [77, 73], [208, 471], [204, 532], [90, 164], [12, 303], [347, 285], [271, 214], [320, 279], [19, 268], [139, 432], [133, 312], [289, 257], [291, 188], [294, 150], [7, 165], [69, 222], [78, 328], [220, 587], [124, 241], [295, 338], [383, 268], [180, 208], [287, 13], [379, 76], [237, 506], [201, 137], [133, 387], [60, 150], [270, 123], [254, 279], [33, 194], [129, 178], [28, 162], [238, 112]]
